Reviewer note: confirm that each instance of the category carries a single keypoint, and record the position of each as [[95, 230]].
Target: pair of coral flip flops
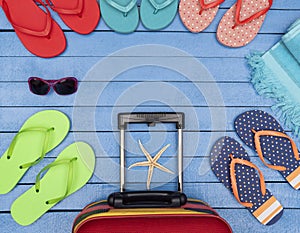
[[72, 168], [39, 32], [239, 25], [123, 16], [232, 166]]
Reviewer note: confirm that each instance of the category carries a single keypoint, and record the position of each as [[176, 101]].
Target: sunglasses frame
[[52, 83]]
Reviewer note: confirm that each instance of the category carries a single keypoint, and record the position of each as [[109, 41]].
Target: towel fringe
[[263, 81]]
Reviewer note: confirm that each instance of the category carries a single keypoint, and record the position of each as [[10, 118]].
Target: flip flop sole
[[159, 20], [84, 23], [116, 20], [240, 35], [31, 205], [190, 17], [266, 209], [28, 15], [277, 150], [29, 146]]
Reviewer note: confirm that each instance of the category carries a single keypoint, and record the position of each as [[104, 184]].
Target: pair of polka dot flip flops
[[260, 131], [231, 164], [239, 25]]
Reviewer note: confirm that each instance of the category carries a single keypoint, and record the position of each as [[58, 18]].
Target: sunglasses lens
[[38, 86], [66, 86]]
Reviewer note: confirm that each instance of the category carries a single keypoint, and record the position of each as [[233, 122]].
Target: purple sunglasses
[[63, 86]]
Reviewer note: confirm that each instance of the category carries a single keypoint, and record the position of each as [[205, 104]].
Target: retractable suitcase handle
[[151, 118], [146, 199]]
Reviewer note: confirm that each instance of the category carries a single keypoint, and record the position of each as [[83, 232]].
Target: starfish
[[151, 162]]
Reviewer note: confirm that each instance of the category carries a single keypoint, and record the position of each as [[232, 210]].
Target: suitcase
[[149, 211]]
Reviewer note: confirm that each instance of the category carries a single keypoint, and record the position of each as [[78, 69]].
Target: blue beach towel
[[276, 74]]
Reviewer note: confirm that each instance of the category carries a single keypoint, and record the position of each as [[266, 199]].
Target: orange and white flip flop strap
[[234, 184], [258, 134]]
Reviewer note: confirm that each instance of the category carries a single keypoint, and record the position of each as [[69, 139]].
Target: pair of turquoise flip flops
[[123, 16]]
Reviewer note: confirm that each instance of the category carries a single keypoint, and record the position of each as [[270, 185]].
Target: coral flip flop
[[38, 32], [39, 134], [242, 21], [70, 171], [121, 16], [82, 16], [196, 15], [260, 131], [158, 14], [231, 164]]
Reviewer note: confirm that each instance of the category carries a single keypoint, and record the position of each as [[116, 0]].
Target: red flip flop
[[82, 16], [242, 21], [38, 32], [196, 15]]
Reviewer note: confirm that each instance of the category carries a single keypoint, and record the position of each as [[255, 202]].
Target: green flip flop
[[121, 16], [158, 14], [70, 171], [40, 133]]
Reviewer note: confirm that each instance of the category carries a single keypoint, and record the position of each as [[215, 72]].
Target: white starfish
[[151, 162]]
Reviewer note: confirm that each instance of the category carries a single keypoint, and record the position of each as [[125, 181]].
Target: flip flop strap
[[258, 134], [160, 6], [205, 6], [255, 16], [44, 33], [234, 185], [123, 9], [45, 131], [75, 11], [69, 163]]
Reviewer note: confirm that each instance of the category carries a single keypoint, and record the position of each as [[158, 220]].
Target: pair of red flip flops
[[39, 32], [238, 26]]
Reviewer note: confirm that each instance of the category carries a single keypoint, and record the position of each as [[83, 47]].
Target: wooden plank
[[106, 144], [242, 221], [106, 43], [49, 223], [292, 4], [196, 170], [173, 94], [79, 67], [105, 118], [213, 193]]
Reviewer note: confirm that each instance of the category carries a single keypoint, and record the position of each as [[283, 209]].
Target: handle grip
[[149, 199], [151, 118]]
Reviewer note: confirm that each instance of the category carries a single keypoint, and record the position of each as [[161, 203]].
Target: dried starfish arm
[[161, 167], [146, 153], [150, 173], [157, 156], [142, 164]]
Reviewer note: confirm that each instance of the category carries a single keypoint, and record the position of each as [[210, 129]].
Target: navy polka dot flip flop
[[231, 164], [260, 131]]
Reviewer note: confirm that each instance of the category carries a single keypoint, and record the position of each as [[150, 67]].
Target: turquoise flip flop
[[40, 133], [158, 14], [121, 16], [71, 170]]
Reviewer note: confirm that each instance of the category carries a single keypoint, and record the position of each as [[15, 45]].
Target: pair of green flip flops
[[71, 170], [123, 16]]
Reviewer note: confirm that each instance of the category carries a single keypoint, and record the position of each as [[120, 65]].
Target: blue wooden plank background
[[230, 77]]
